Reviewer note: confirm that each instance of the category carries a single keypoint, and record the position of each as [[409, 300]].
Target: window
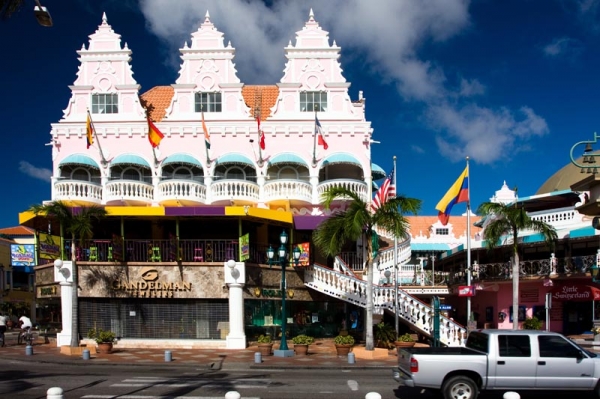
[[442, 232], [105, 103], [555, 346], [313, 101], [514, 346], [208, 102]]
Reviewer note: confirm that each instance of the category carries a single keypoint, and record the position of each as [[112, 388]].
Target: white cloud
[[32, 171], [563, 47], [417, 149]]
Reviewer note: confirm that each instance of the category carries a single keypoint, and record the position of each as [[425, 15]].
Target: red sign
[[576, 292], [466, 290]]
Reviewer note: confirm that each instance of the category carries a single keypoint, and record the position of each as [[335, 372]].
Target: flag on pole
[[459, 192], [206, 135], [261, 134], [89, 131], [154, 135], [319, 133], [385, 192]]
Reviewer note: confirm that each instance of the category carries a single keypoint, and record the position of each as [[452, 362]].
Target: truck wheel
[[459, 387]]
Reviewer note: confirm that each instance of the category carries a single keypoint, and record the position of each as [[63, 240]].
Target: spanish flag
[[89, 131], [154, 135], [459, 192], [206, 135]]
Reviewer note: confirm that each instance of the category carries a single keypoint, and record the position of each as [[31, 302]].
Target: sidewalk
[[321, 355]]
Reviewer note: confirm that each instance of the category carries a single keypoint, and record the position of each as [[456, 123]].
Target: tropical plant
[[264, 339], [507, 220], [78, 223], [9, 7], [407, 337], [385, 335], [532, 323], [303, 339], [101, 336], [344, 340], [356, 221]]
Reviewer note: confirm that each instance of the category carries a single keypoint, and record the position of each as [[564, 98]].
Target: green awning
[[287, 158], [129, 159], [79, 159], [235, 158], [181, 159], [341, 157]]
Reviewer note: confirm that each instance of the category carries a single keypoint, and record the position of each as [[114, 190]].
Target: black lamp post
[[282, 253]]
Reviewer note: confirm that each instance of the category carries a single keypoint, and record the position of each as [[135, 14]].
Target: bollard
[[54, 393], [233, 395], [257, 357], [511, 395], [351, 358], [168, 356], [85, 354], [29, 350], [372, 395]]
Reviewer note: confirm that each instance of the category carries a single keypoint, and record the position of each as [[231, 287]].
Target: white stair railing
[[351, 289]]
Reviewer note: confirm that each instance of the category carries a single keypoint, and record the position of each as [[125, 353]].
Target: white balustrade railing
[[78, 190], [340, 285], [558, 218], [359, 187], [287, 189], [228, 189], [386, 257], [129, 190], [181, 190]]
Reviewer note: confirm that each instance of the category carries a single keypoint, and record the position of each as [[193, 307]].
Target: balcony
[[359, 187], [292, 190], [129, 192], [80, 192], [243, 191], [181, 193]]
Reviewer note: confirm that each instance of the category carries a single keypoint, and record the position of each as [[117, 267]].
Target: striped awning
[[181, 159], [79, 159], [235, 158], [287, 158], [341, 157], [377, 172], [130, 159]]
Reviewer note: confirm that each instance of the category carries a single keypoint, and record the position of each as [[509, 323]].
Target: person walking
[[3, 320]]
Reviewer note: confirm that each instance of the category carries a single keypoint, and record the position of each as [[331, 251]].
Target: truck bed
[[453, 350]]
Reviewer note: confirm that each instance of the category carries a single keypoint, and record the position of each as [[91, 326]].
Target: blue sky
[[512, 84]]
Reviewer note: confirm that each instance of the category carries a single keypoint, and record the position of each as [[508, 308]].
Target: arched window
[[235, 172], [130, 173], [287, 172], [81, 174]]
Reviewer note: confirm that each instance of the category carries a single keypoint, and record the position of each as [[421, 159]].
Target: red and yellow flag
[[89, 131], [154, 135]]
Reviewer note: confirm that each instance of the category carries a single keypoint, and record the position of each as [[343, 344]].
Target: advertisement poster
[[466, 290], [245, 247], [22, 254], [49, 246], [304, 254]]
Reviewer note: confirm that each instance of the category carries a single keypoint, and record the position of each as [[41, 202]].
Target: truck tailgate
[[404, 355]]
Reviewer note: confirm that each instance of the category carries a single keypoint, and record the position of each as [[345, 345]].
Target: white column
[[235, 277], [63, 338]]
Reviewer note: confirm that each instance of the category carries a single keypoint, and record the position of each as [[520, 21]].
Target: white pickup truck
[[501, 360]]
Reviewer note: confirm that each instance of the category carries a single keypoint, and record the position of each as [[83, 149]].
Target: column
[[63, 338], [235, 277]]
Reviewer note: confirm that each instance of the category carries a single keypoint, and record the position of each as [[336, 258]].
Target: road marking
[[155, 397], [353, 385]]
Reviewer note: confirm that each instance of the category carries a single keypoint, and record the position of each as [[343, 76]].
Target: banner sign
[[466, 290], [304, 254], [49, 246], [22, 254], [245, 247]]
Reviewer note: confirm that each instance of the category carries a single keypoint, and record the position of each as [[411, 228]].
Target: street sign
[[445, 307]]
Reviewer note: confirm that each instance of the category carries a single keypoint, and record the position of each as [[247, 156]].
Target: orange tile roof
[[156, 101], [420, 225], [17, 231], [262, 97]]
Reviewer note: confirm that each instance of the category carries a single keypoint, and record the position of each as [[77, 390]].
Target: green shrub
[[101, 336], [303, 340], [406, 338], [385, 335], [264, 339], [344, 340], [532, 323]]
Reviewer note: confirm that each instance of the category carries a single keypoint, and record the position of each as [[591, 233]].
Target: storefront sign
[[576, 292], [47, 291], [22, 255], [466, 290], [49, 246], [149, 286], [271, 293]]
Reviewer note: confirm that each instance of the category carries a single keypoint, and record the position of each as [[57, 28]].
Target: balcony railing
[[359, 187], [288, 189], [77, 190], [184, 190], [243, 190], [129, 190]]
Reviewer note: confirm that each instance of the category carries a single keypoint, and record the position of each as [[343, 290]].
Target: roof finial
[[207, 16], [311, 14], [104, 19]]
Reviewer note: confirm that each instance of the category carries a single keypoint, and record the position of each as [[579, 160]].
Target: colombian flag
[[154, 135], [89, 131], [206, 135], [459, 192]]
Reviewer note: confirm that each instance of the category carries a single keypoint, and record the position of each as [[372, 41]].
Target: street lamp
[[283, 260], [590, 165], [42, 15], [595, 269]]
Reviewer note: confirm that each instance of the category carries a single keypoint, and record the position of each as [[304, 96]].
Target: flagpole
[[395, 264], [205, 132], [468, 241], [260, 158], [104, 162], [314, 160]]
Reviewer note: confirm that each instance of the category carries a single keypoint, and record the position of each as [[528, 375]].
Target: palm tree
[[358, 219], [9, 7], [508, 220], [78, 223]]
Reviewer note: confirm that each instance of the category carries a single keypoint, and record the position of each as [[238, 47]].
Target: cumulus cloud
[[387, 41], [32, 171]]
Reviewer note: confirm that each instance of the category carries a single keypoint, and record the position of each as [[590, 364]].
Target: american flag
[[385, 192]]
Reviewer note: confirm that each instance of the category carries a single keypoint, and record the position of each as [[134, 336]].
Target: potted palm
[[343, 344], [301, 343], [104, 338], [405, 341], [265, 344]]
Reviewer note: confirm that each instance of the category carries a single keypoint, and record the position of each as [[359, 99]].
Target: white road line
[[353, 385]]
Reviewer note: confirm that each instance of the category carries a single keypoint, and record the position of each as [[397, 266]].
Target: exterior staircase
[[341, 282]]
